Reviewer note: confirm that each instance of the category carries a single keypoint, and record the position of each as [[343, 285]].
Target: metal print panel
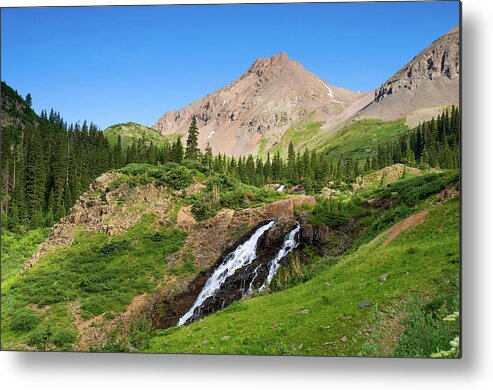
[[270, 179]]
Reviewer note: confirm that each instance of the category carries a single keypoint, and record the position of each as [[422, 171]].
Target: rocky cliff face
[[208, 242], [273, 94], [429, 79]]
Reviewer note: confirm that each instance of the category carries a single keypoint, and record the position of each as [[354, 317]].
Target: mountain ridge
[[429, 79], [252, 114]]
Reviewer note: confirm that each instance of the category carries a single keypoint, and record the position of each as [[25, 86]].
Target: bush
[[25, 320], [64, 338], [40, 337], [429, 328], [334, 213], [172, 175], [224, 192], [137, 169]]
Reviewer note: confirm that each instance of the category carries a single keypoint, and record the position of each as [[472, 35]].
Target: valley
[[278, 215]]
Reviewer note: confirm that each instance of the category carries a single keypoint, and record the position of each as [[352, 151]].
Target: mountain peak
[[277, 61], [260, 105]]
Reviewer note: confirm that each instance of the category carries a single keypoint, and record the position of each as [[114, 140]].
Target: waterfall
[[291, 241], [281, 188], [255, 274], [242, 256]]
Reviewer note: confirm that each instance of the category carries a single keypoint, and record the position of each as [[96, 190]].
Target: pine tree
[[367, 167], [409, 155], [268, 169], [291, 162], [177, 151], [192, 149], [208, 158], [29, 100], [50, 215]]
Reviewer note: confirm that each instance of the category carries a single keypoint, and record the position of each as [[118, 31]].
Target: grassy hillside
[[359, 137], [17, 248], [98, 274], [321, 316], [132, 131], [356, 138], [300, 134]]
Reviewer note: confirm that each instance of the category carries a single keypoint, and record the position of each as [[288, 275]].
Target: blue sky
[[119, 64]]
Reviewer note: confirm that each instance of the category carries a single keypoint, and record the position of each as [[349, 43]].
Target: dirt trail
[[409, 222], [94, 330], [84, 328]]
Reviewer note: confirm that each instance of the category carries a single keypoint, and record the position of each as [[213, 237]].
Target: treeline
[[434, 143]]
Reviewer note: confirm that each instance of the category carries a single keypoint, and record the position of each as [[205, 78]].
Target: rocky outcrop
[[207, 240], [106, 210], [328, 240], [385, 175], [439, 60], [166, 309]]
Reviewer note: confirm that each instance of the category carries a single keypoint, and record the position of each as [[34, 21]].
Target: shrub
[[64, 338], [174, 176], [25, 320], [40, 337]]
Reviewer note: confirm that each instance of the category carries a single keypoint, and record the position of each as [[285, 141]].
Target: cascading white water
[[255, 274], [290, 242], [243, 255], [281, 188]]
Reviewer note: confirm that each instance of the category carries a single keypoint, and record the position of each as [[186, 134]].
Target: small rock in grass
[[383, 278], [225, 338], [367, 330], [363, 304], [304, 311], [205, 342]]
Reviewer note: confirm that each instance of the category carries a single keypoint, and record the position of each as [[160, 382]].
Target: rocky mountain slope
[[14, 111], [424, 85], [254, 113], [272, 95]]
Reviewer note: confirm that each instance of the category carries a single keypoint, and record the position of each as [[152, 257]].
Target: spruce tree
[[192, 150], [177, 151], [29, 100], [291, 162]]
